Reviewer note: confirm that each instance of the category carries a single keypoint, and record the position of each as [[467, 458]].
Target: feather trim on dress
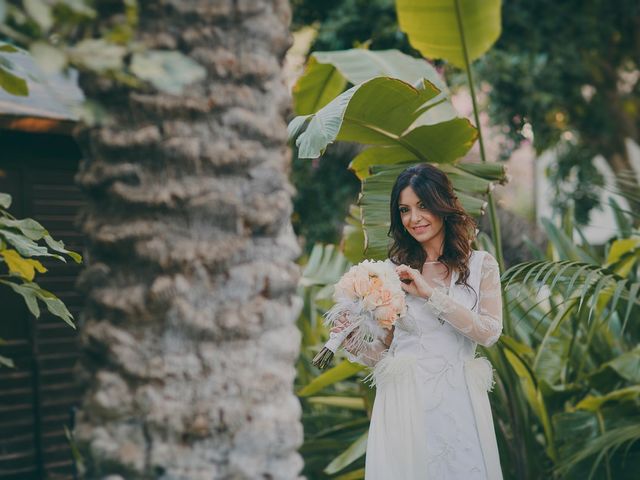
[[390, 367], [481, 373]]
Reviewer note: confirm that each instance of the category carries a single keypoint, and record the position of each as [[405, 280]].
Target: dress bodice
[[452, 321], [421, 333]]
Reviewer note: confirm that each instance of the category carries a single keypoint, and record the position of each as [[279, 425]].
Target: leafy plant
[[336, 420], [22, 243], [10, 80], [61, 34], [575, 353]]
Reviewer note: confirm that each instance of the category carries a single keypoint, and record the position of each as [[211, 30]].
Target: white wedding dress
[[431, 417]]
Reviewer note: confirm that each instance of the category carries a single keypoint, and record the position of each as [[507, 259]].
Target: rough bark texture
[[189, 331]]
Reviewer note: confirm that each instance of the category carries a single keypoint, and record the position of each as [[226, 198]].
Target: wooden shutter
[[37, 396]]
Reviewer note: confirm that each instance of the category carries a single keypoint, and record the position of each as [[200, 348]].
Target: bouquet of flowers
[[369, 299]]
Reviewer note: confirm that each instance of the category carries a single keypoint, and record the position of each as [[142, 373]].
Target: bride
[[431, 417]]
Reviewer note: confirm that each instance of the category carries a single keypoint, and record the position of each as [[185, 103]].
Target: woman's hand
[[389, 337], [343, 323], [413, 282]]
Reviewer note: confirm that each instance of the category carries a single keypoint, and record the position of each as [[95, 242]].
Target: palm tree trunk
[[189, 337]]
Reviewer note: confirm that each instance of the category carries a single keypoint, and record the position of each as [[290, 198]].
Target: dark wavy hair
[[434, 189]]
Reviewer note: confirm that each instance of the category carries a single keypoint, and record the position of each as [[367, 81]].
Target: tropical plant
[[564, 76], [62, 34], [22, 243], [10, 80], [575, 351], [336, 420]]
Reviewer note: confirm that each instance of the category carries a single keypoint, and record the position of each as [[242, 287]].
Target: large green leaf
[[533, 395], [58, 246], [356, 450], [325, 266], [32, 292], [328, 73], [320, 83], [353, 240], [12, 83], [595, 402], [5, 200], [627, 366], [384, 111], [353, 403], [29, 227], [336, 374], [389, 115], [22, 244], [433, 27]]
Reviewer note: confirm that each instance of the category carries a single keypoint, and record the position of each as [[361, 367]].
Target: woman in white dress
[[431, 417]]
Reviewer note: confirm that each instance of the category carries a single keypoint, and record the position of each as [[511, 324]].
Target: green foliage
[[342, 25], [328, 73], [345, 24], [335, 407], [18, 247], [566, 69], [10, 80], [562, 70], [62, 34], [437, 29], [574, 353], [324, 191], [387, 112]]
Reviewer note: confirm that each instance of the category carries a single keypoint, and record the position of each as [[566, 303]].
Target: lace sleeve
[[369, 355], [484, 326]]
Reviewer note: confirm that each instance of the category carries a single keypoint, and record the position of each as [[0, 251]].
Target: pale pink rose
[[398, 303], [361, 283], [372, 300], [345, 286], [377, 298], [376, 283], [386, 315], [385, 297]]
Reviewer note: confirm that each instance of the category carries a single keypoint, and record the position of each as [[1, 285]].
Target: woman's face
[[423, 225]]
